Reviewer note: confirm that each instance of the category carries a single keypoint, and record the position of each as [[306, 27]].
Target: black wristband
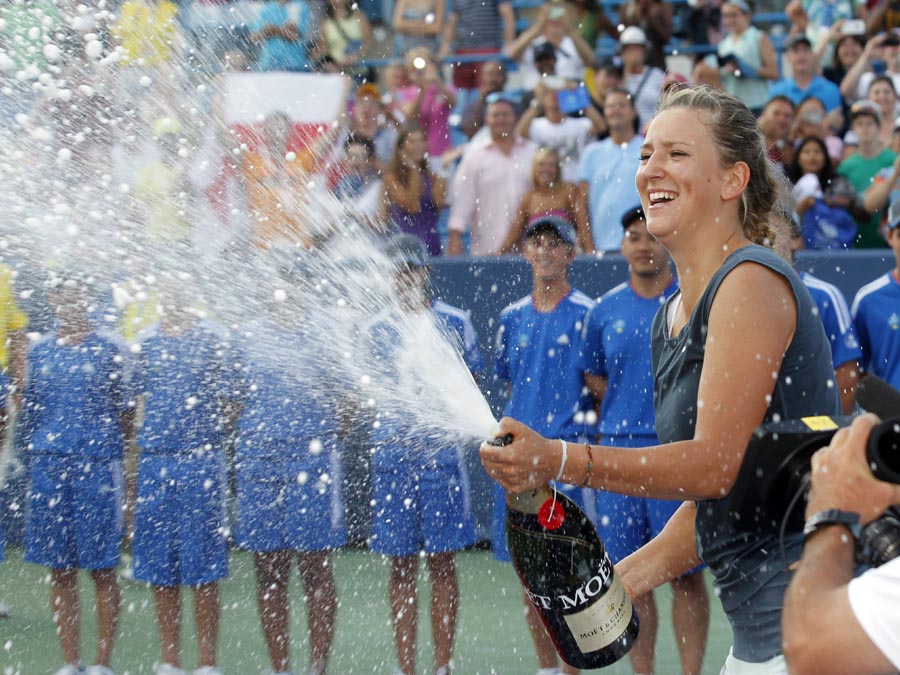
[[833, 517]]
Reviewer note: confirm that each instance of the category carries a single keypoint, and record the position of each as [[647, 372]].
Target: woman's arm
[[517, 230], [669, 555], [407, 198], [401, 23], [517, 47], [523, 126], [436, 27], [769, 68], [850, 83], [585, 51], [439, 190], [751, 324], [876, 195], [582, 222]]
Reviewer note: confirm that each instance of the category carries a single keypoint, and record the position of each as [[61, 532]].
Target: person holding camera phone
[[547, 124], [834, 623], [747, 59], [880, 56], [551, 27]]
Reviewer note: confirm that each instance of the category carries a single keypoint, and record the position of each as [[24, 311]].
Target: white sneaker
[[207, 670], [70, 669], [99, 670], [168, 669]]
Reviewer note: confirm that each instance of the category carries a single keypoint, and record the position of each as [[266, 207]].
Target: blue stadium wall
[[484, 287]]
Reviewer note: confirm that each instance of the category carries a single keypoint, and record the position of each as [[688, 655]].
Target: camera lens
[[880, 539], [883, 451]]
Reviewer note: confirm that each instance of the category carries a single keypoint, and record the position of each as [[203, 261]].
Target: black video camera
[[770, 492]]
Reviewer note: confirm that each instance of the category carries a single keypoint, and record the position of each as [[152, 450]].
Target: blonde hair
[[540, 156], [737, 137]]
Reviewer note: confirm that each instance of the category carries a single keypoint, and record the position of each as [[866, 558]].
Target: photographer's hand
[[842, 479], [821, 633]]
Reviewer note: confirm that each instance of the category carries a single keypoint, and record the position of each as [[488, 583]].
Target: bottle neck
[[530, 500]]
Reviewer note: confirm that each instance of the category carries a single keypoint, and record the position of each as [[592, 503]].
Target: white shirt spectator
[[568, 63], [645, 88], [487, 190], [568, 138]]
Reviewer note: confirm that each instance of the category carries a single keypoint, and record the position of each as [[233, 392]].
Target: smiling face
[[811, 158], [777, 119], [619, 111], [500, 118], [882, 94], [848, 50], [645, 255], [414, 147], [548, 255], [546, 168], [733, 19], [680, 179]]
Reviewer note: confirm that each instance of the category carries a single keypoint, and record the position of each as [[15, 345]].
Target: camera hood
[[775, 468]]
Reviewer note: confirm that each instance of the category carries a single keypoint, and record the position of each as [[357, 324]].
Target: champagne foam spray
[[71, 167]]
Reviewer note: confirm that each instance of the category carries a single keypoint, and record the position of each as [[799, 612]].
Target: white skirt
[[774, 666]]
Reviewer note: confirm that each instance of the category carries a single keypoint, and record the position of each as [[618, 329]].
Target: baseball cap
[[633, 35], [631, 215], [543, 51], [368, 89], [865, 107], [407, 249], [796, 39], [562, 227], [893, 217]]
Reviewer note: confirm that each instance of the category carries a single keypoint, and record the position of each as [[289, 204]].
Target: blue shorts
[[420, 509], [582, 497], [284, 504], [179, 520], [74, 516], [627, 523]]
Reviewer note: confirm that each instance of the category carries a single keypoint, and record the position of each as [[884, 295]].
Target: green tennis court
[[492, 636]]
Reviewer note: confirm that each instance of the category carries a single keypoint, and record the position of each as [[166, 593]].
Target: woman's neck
[[697, 261]]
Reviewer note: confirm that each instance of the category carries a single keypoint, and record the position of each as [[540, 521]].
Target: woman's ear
[[736, 181]]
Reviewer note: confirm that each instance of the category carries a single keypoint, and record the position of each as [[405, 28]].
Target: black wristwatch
[[833, 517]]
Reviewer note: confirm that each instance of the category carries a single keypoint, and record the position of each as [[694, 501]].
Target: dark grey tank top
[[749, 576]]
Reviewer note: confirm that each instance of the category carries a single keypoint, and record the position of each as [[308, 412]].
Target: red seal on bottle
[[551, 515]]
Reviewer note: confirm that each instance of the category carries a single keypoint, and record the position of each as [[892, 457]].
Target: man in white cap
[[643, 82], [553, 29]]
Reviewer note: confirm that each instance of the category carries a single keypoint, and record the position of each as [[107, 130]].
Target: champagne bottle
[[569, 578]]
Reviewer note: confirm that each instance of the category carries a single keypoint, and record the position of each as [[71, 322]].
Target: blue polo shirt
[[399, 439], [876, 315], [617, 348], [609, 170], [540, 355], [74, 397], [286, 413], [279, 54], [185, 380], [836, 319], [824, 90]]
